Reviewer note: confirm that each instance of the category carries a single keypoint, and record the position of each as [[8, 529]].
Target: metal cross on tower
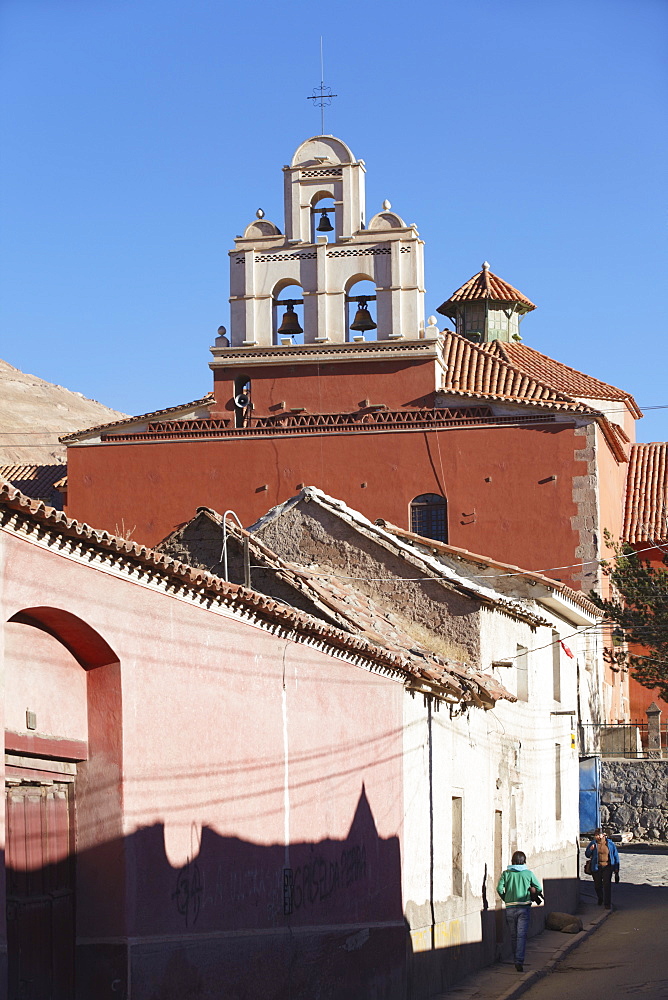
[[322, 96]]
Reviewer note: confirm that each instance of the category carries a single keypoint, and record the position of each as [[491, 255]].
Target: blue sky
[[139, 136]]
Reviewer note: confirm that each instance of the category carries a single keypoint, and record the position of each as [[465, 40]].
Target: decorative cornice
[[361, 422], [307, 354]]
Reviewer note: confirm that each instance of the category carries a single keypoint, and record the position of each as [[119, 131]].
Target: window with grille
[[429, 516]]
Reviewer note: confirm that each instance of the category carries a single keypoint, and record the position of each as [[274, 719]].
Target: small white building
[[478, 785]]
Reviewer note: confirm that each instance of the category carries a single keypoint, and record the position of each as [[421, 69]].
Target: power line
[[472, 576]]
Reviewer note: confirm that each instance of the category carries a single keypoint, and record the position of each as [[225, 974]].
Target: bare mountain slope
[[34, 413]]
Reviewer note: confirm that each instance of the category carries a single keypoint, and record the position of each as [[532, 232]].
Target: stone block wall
[[634, 796]]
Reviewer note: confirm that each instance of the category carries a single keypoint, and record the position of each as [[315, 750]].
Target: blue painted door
[[590, 794]]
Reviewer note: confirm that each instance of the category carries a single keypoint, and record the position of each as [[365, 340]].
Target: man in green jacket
[[514, 888]]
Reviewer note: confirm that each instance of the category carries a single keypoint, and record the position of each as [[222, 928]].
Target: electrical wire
[[472, 576]]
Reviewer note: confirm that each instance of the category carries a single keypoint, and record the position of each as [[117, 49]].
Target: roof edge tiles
[[87, 431], [646, 508], [455, 688]]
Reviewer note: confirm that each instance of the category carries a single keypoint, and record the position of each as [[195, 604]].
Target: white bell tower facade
[[324, 181]]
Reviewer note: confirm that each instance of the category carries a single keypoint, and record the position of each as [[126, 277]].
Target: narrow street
[[628, 956]]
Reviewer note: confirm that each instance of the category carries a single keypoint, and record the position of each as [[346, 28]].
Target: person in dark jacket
[[514, 888], [604, 858]]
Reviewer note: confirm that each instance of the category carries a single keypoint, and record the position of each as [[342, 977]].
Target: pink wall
[[43, 676], [199, 735]]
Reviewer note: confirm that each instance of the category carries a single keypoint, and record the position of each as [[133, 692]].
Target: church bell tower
[[323, 197], [331, 289]]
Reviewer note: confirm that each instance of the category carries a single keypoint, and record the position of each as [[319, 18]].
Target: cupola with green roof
[[486, 308]]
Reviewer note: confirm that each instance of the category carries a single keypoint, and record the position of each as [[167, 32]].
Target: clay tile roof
[[39, 482], [485, 285], [555, 374], [475, 370], [173, 410], [372, 621], [646, 513]]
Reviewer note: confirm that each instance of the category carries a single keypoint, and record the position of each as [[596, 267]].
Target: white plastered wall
[[498, 761]]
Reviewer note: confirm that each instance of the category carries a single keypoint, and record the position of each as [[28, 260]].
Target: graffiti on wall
[[279, 892], [319, 879]]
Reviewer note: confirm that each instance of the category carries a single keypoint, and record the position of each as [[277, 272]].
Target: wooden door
[[40, 889]]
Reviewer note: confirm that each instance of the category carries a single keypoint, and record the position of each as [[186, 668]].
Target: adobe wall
[[634, 796], [449, 622]]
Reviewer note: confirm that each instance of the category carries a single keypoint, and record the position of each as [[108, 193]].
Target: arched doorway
[[62, 695]]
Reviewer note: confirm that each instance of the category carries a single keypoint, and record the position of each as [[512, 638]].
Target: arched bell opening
[[361, 310], [323, 217], [288, 314], [429, 516]]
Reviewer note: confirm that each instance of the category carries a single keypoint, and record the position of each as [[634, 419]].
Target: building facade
[[210, 792], [330, 375]]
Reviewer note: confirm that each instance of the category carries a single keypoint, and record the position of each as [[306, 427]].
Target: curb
[[577, 939]]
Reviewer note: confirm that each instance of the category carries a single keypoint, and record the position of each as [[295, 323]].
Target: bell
[[362, 321], [290, 324], [324, 226]]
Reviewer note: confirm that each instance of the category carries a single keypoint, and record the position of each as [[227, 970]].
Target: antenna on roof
[[322, 96]]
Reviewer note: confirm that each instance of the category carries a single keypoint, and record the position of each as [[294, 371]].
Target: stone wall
[[634, 796]]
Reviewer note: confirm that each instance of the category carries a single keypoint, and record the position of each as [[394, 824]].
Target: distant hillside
[[34, 413]]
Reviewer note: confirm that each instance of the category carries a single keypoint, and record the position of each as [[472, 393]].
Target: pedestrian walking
[[517, 887], [604, 863]]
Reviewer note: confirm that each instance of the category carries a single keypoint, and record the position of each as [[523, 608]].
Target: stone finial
[[653, 709], [431, 331], [387, 205], [485, 265], [260, 213]]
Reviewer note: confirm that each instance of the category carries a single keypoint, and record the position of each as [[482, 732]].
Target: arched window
[[429, 516]]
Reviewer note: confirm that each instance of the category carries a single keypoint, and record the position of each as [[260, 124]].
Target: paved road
[[627, 958]]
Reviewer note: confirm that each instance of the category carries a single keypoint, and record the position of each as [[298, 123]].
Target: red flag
[[566, 650]]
